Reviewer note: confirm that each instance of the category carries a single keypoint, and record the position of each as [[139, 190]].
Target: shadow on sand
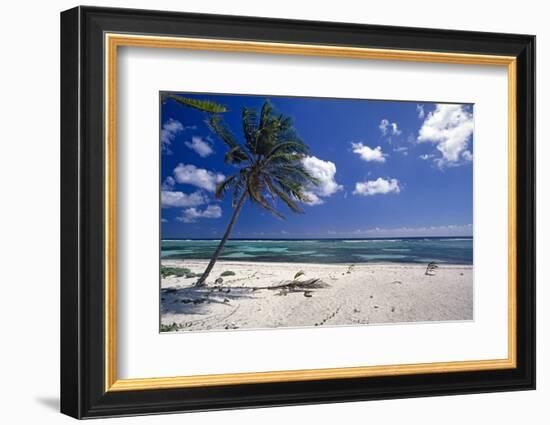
[[193, 300]]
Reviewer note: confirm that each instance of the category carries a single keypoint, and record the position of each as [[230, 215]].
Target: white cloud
[[389, 128], [420, 111], [168, 183], [190, 215], [313, 198], [378, 186], [467, 156], [163, 220], [168, 133], [402, 150], [205, 179], [368, 154], [450, 230], [325, 172], [426, 156], [450, 127], [180, 199], [201, 147]]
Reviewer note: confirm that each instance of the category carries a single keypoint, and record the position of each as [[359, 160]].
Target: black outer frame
[[82, 206]]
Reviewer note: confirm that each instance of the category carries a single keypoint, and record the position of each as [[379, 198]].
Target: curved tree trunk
[[202, 279]]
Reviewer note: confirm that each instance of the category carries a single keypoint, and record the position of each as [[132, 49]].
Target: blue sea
[[399, 250]]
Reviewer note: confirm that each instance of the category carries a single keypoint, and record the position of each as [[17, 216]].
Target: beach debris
[[392, 309], [218, 281], [350, 268], [356, 310], [231, 325], [194, 301], [307, 294], [228, 273], [295, 286], [300, 273], [430, 269], [397, 282], [375, 306]]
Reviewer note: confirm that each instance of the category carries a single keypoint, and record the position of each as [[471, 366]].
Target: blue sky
[[387, 168]]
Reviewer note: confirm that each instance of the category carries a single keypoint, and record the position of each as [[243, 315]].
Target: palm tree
[[269, 167]]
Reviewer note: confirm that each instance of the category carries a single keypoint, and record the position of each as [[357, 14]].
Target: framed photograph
[[261, 212]]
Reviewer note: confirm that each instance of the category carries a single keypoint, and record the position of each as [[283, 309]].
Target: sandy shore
[[344, 295]]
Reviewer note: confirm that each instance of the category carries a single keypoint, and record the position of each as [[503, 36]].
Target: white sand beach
[[344, 294]]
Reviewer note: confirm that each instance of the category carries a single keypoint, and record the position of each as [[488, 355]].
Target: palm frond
[[295, 172], [292, 188], [290, 203], [235, 155], [284, 157], [265, 114], [224, 186], [220, 129], [200, 104], [255, 191], [269, 161], [293, 147], [250, 127]]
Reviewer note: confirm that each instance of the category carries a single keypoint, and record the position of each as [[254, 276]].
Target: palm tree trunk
[[219, 249]]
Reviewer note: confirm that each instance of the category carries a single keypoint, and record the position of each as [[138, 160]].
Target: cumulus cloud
[[420, 111], [426, 156], [168, 183], [313, 198], [368, 154], [179, 199], [325, 172], [168, 133], [379, 186], [200, 146], [389, 128], [191, 215], [450, 127], [199, 177]]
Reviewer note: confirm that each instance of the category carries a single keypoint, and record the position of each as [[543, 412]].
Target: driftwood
[[299, 284], [305, 286]]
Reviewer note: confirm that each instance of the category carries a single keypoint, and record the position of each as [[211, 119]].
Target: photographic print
[[281, 212]]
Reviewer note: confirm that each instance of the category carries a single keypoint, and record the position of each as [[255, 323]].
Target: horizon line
[[323, 238]]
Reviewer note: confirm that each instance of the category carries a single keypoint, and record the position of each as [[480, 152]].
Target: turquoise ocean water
[[399, 250]]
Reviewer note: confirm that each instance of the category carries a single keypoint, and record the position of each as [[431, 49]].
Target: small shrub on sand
[[174, 271], [227, 273], [168, 328]]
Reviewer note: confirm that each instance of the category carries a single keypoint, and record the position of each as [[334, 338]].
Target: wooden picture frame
[[90, 39]]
